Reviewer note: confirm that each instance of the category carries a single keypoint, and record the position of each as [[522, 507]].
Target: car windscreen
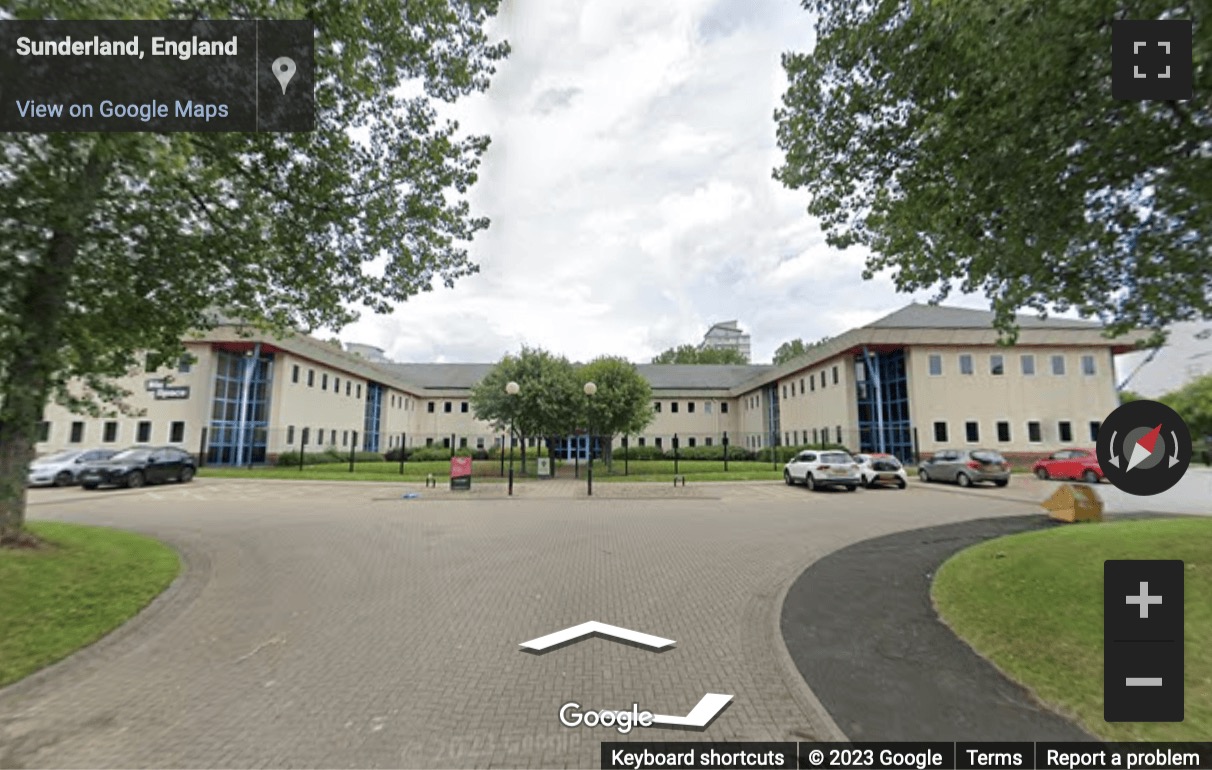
[[58, 457], [886, 462], [987, 457], [835, 457], [131, 455]]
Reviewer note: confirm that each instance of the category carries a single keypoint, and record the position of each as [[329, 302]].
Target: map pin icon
[[283, 69]]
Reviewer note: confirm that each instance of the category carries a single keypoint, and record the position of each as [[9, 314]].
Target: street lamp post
[[590, 389], [511, 389]]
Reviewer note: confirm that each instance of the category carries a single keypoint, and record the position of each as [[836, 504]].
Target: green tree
[[693, 354], [977, 146], [622, 403], [112, 245], [1129, 395], [549, 401], [789, 350], [1193, 402]]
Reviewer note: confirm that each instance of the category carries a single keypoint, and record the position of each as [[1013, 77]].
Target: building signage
[[460, 473], [154, 384], [544, 467], [164, 394]]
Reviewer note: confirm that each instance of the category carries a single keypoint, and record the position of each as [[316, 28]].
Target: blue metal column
[[250, 365], [873, 371]]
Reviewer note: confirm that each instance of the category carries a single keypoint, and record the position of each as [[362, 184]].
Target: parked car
[[816, 469], [140, 465], [879, 468], [63, 469], [1070, 464], [966, 467]]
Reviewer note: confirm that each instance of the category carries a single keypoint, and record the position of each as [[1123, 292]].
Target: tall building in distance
[[726, 335]]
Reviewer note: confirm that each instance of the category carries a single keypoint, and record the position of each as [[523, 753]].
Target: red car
[[1070, 464]]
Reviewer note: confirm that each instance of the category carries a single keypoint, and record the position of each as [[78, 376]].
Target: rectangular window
[[812, 383], [429, 442], [822, 380], [658, 442], [290, 434], [997, 365], [940, 433], [972, 432], [1058, 365], [1094, 426], [835, 382], [1065, 429], [359, 390], [673, 406], [431, 407], [936, 365], [965, 363], [347, 388], [463, 407], [463, 442], [311, 378], [1003, 432], [446, 407], [706, 407], [294, 374], [324, 381], [691, 440], [815, 436], [786, 439], [641, 441], [446, 443], [44, 431], [784, 391], [1088, 367], [143, 432], [332, 437], [336, 385], [707, 441], [77, 432], [1033, 432], [480, 442], [690, 407], [724, 408], [176, 432], [344, 438], [110, 433], [839, 428], [1028, 363], [656, 406]]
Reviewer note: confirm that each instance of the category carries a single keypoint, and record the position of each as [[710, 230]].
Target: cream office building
[[918, 380]]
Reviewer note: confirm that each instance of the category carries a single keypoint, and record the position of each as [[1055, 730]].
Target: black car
[[138, 466]]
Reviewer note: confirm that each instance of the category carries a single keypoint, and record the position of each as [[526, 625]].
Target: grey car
[[62, 469], [966, 467]]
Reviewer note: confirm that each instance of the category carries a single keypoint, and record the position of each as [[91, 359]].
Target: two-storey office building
[[917, 380]]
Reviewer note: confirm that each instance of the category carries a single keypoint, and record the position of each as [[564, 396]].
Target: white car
[[879, 468], [62, 469], [816, 469]]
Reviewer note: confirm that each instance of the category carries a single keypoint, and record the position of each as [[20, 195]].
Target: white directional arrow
[[707, 709], [1114, 457], [1174, 458], [594, 628]]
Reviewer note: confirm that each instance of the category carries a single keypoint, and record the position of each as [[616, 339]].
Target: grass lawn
[[489, 470], [1033, 604], [59, 599]]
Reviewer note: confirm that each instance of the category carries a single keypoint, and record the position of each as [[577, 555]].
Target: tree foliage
[[693, 354], [976, 146], [1193, 402], [789, 350], [116, 244], [623, 402]]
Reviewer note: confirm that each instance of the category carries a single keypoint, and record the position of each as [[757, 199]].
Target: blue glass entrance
[[578, 447], [374, 411], [240, 411], [883, 404]]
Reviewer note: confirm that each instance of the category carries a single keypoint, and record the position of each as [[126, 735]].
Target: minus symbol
[[1144, 681]]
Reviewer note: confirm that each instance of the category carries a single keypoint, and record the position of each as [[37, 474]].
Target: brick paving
[[339, 625]]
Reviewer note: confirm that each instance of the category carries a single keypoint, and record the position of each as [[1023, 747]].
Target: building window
[[691, 440], [1065, 428], [997, 365], [1058, 365], [972, 432], [801, 386], [965, 361], [431, 407], [1094, 426], [936, 365], [690, 407], [290, 434], [347, 384], [656, 406], [44, 431], [446, 407], [446, 443], [359, 390], [1003, 432], [176, 432], [185, 363], [673, 406], [822, 380], [344, 438], [835, 382], [815, 436], [724, 408], [812, 383], [706, 407], [1033, 432], [110, 433], [429, 442], [324, 381], [1028, 364], [707, 441], [332, 437], [77, 432], [463, 442], [311, 378], [294, 374], [940, 433], [784, 391], [1088, 367], [463, 407], [786, 439], [658, 442], [641, 441], [480, 442], [143, 432], [336, 385], [839, 428]]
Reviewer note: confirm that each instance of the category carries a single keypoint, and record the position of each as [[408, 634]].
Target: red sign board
[[460, 466]]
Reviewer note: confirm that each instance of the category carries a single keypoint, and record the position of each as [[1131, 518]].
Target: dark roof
[[917, 316], [441, 376], [659, 376]]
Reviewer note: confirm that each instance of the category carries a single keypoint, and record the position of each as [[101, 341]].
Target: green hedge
[[715, 452], [331, 455]]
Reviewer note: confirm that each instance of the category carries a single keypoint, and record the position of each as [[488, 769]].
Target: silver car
[[63, 469], [815, 469], [966, 467]]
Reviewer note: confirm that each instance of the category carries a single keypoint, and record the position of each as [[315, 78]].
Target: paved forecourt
[[324, 624]]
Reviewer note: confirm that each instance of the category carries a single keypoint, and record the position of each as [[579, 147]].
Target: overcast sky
[[630, 192]]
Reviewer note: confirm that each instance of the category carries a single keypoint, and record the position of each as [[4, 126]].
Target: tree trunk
[[26, 384]]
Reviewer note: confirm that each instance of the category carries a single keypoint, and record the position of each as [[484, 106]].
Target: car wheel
[[900, 484], [810, 482], [851, 487], [63, 479], [1041, 474], [1090, 477], [869, 483], [1002, 482], [964, 480], [187, 474], [90, 486], [787, 478], [921, 474], [134, 480]]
